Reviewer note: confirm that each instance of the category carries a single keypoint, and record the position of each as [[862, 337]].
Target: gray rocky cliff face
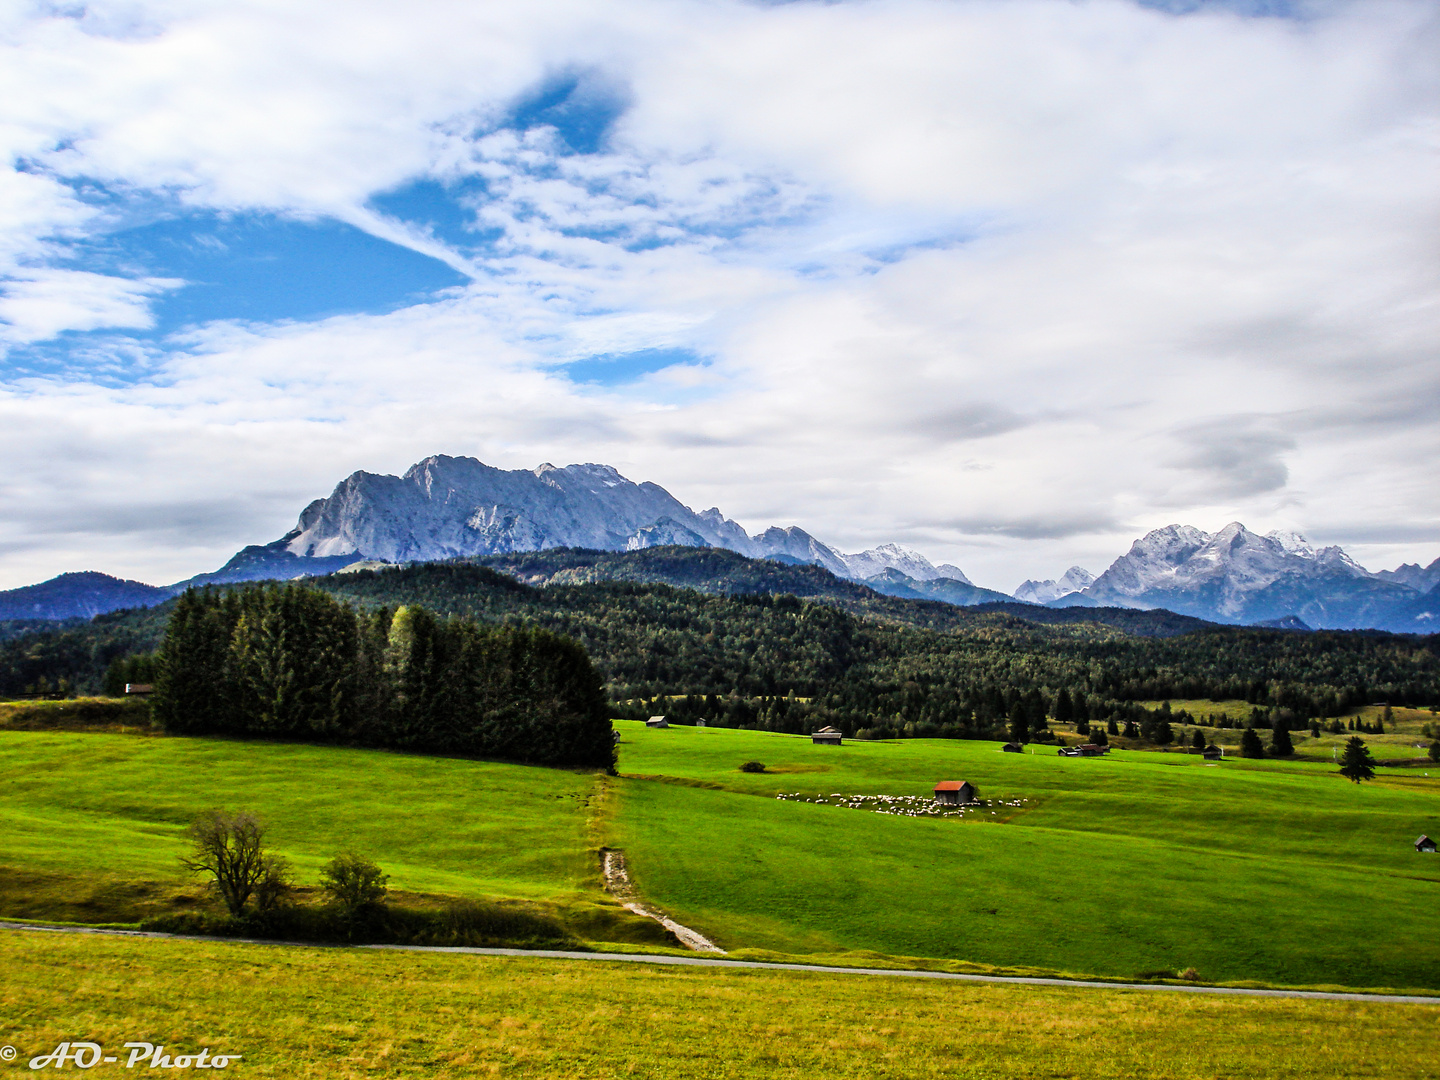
[[445, 508]]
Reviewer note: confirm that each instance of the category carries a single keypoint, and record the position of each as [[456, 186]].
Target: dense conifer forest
[[292, 662], [751, 652]]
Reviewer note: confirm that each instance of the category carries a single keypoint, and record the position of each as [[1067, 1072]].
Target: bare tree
[[230, 848]]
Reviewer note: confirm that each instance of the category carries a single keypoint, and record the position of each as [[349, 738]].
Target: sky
[[1009, 282]]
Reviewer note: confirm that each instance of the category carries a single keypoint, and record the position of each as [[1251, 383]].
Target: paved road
[[705, 961]]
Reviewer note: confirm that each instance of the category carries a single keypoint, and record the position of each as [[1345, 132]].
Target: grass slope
[[91, 825], [1116, 866], [1137, 863], [340, 1013]]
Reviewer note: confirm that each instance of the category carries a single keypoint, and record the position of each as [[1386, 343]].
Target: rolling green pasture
[[1403, 738], [91, 825], [344, 1013], [1136, 862], [119, 804]]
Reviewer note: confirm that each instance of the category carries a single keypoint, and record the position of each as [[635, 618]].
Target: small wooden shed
[[1425, 845], [141, 688], [657, 721], [1212, 753], [1013, 748], [827, 736], [954, 792]]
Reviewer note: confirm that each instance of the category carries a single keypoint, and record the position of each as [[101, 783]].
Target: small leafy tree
[[354, 882], [1250, 745], [1356, 764], [753, 766], [274, 886], [230, 849]]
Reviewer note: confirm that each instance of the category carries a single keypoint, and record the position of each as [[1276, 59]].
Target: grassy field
[[91, 825], [1129, 865], [1403, 739], [343, 1013], [1123, 865]]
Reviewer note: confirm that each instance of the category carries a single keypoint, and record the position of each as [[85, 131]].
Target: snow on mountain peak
[[1074, 580], [1292, 542], [866, 564]]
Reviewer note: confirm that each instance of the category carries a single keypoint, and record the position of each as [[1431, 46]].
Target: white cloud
[[42, 303], [972, 276]]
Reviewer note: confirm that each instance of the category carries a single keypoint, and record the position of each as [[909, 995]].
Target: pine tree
[[1250, 744], [1064, 709], [1356, 764], [1280, 744], [1112, 727], [1019, 727], [1197, 739]]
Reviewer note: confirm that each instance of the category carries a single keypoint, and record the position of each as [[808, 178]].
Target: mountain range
[[457, 507]]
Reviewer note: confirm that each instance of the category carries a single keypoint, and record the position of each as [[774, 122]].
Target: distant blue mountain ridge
[[456, 507]]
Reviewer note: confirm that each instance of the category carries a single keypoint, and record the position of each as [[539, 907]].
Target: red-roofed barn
[[954, 792]]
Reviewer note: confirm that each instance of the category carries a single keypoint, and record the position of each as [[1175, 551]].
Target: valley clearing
[[1134, 867]]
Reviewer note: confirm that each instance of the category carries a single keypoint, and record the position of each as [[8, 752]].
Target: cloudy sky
[[1006, 281]]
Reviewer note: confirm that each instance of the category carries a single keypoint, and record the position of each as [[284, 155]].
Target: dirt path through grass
[[618, 885], [705, 961]]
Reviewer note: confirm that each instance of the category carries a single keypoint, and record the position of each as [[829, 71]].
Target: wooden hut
[[1425, 845], [827, 736], [954, 792], [657, 721]]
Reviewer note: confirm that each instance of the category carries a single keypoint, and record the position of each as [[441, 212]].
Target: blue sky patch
[[265, 268], [440, 209], [618, 369], [581, 106]]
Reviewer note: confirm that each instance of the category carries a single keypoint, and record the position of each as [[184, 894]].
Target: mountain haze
[[446, 508]]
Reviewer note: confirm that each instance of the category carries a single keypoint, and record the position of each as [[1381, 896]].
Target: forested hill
[[860, 660], [716, 570]]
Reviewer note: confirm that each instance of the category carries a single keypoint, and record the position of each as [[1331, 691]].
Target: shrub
[[354, 882], [473, 923], [753, 766]]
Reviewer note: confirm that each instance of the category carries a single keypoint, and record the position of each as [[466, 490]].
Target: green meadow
[[1404, 737], [1124, 865], [1135, 864], [302, 1013]]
